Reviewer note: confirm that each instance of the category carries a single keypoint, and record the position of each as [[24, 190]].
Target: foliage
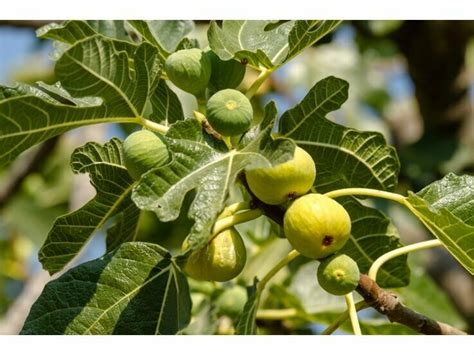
[[114, 72]]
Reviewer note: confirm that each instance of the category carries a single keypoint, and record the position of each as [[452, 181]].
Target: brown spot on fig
[[327, 240]]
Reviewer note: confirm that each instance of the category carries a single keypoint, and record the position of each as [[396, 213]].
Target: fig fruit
[[316, 225], [189, 70], [278, 184], [225, 74], [222, 259], [338, 274], [229, 112], [143, 150], [232, 301]]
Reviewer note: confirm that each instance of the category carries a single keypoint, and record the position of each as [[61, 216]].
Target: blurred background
[[413, 81]]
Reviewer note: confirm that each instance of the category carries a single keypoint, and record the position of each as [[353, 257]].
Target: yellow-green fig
[[338, 274], [316, 225], [280, 183], [142, 151], [222, 259], [189, 69]]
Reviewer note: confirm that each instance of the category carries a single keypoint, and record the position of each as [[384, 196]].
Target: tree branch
[[389, 304]]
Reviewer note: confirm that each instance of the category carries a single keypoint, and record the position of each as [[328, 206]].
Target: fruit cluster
[[315, 225]]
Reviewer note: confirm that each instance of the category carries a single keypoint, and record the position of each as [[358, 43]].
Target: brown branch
[[389, 304], [25, 167]]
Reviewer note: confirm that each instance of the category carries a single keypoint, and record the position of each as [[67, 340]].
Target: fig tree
[[278, 184], [189, 70], [338, 274], [143, 150], [229, 112], [225, 74], [222, 259], [316, 225]]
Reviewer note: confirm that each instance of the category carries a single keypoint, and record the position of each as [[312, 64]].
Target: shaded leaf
[[113, 184], [165, 35], [166, 107], [137, 289], [344, 157]]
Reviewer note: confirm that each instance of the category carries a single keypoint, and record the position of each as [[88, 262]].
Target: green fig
[[232, 301], [316, 225], [229, 112], [338, 274], [143, 150], [189, 70], [278, 184]]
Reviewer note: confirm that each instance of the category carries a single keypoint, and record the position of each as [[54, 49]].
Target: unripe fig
[[143, 150], [278, 184], [232, 301], [222, 259], [338, 274], [316, 225], [229, 112], [189, 69], [225, 74]]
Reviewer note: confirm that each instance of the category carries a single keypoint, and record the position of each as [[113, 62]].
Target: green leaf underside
[[166, 107], [113, 184], [197, 166], [246, 324], [373, 235], [344, 157], [265, 43], [137, 289], [91, 68], [446, 208]]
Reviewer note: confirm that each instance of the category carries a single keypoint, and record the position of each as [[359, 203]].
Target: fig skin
[[316, 225], [229, 112], [142, 151], [222, 259], [338, 274], [280, 183], [189, 70], [225, 74]]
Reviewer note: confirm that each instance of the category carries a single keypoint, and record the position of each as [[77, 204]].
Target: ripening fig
[[232, 301], [189, 70], [225, 74], [316, 225], [143, 150], [229, 112], [280, 183], [338, 274], [222, 259]]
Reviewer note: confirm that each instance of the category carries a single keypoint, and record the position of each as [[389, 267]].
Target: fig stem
[[368, 192], [153, 126], [234, 208], [351, 308], [227, 222], [401, 251], [343, 317], [258, 82], [282, 263]]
